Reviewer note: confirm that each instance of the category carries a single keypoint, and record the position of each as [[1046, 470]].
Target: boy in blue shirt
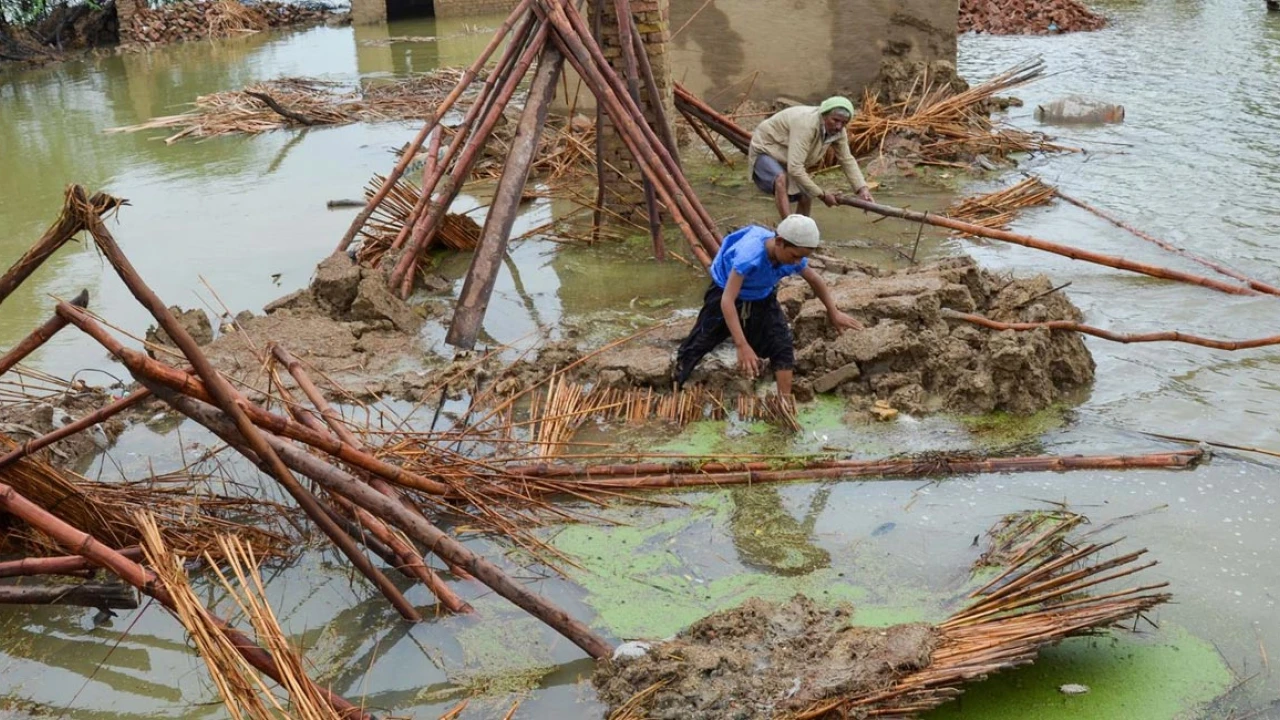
[[742, 302]]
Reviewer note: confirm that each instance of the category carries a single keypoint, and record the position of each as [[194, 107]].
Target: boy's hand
[[749, 362], [843, 322]]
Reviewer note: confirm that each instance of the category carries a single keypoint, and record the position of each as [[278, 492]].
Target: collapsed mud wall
[[910, 353]]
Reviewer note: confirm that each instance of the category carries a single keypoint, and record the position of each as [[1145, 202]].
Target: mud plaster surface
[[909, 354], [761, 659], [347, 325]]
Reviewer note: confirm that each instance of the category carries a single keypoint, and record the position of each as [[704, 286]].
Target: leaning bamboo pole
[[340, 482], [469, 75], [139, 364], [626, 31], [407, 555], [230, 400], [565, 16], [426, 227], [76, 565], [477, 287], [69, 223], [98, 416], [1112, 261], [1070, 326], [39, 336], [684, 211], [1215, 266], [691, 104], [136, 575]]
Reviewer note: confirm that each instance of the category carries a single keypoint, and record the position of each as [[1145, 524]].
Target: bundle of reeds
[[244, 691], [941, 126], [388, 227], [297, 102], [997, 209], [193, 515]]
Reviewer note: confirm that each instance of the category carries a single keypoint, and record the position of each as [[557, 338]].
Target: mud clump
[[29, 420], [346, 324], [910, 353], [195, 322], [763, 659]]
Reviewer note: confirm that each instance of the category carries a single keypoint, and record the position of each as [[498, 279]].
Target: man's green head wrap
[[836, 102]]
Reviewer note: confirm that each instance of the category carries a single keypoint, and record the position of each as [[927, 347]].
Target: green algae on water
[[1162, 678]]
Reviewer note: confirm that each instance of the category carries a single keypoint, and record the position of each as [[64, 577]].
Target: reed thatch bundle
[[997, 209], [244, 691], [192, 515], [386, 228], [299, 102], [941, 126]]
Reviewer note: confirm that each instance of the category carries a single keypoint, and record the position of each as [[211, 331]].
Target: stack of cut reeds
[[998, 208], [298, 102]]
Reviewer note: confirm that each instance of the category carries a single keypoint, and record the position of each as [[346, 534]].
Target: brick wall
[[454, 8], [653, 21]]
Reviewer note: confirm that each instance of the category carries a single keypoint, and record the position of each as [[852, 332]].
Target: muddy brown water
[[1194, 163]]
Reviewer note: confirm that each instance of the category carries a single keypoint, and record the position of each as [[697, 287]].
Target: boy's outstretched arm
[[837, 317]]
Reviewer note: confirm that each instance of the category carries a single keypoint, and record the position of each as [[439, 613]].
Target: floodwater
[[1194, 163]]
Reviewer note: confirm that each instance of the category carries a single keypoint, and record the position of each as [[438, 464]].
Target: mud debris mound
[[762, 659], [1027, 17], [346, 324], [910, 354]]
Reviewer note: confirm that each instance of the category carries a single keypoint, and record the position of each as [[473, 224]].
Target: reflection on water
[[769, 537]]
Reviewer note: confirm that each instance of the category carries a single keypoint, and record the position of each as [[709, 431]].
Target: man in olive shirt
[[785, 146]]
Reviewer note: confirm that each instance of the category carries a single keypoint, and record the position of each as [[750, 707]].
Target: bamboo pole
[[468, 76], [94, 595], [666, 131], [88, 421], [626, 32], [65, 565], [700, 129], [702, 240], [689, 103], [477, 288], [180, 381], [408, 559], [342, 483], [434, 169], [426, 228], [597, 213], [602, 478], [1069, 326], [1217, 267], [231, 403], [428, 169], [1112, 261], [131, 572], [39, 336], [69, 223]]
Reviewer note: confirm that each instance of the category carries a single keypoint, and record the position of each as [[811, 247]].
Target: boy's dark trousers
[[763, 323]]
